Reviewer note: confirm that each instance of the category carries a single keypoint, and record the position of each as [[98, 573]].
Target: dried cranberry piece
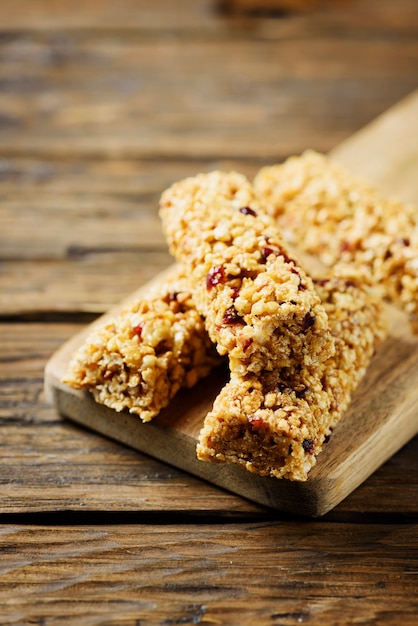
[[266, 251], [231, 316], [246, 343], [347, 246], [308, 446], [215, 276], [289, 260], [321, 282], [255, 423], [308, 321], [137, 330], [246, 210], [235, 293]]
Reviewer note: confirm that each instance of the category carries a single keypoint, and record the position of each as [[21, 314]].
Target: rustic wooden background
[[102, 105]]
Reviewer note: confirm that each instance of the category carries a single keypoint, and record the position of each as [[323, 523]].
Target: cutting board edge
[[323, 490]]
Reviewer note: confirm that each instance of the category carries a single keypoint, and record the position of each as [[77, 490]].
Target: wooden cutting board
[[383, 415]]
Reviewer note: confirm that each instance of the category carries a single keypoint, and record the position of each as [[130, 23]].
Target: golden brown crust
[[327, 212], [139, 359], [276, 424], [259, 305]]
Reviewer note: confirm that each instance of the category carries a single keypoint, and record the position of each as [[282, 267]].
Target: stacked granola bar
[[297, 345]]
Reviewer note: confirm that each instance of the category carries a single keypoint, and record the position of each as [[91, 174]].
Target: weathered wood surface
[[244, 573], [94, 122]]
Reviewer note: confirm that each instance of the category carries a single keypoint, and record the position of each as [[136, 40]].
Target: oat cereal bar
[[140, 358], [275, 424], [259, 305], [327, 212]]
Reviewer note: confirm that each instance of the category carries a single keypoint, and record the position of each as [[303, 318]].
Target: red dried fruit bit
[[308, 321], [350, 283], [231, 317], [215, 276], [255, 423], [235, 293], [266, 251], [273, 248], [289, 260], [308, 446], [246, 210], [347, 246], [321, 282], [137, 330], [246, 343]]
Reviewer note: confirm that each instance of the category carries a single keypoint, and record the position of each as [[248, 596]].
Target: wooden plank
[[380, 420], [22, 178], [99, 222], [87, 207], [113, 98], [271, 573], [95, 279], [211, 17], [90, 14]]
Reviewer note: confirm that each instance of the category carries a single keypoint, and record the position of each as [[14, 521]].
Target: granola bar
[[327, 212], [275, 424], [139, 359], [259, 305]]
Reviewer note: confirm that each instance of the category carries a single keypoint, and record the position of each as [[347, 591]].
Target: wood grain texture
[[210, 574], [112, 98]]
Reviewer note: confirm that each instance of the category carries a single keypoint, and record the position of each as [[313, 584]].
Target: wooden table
[[103, 104]]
